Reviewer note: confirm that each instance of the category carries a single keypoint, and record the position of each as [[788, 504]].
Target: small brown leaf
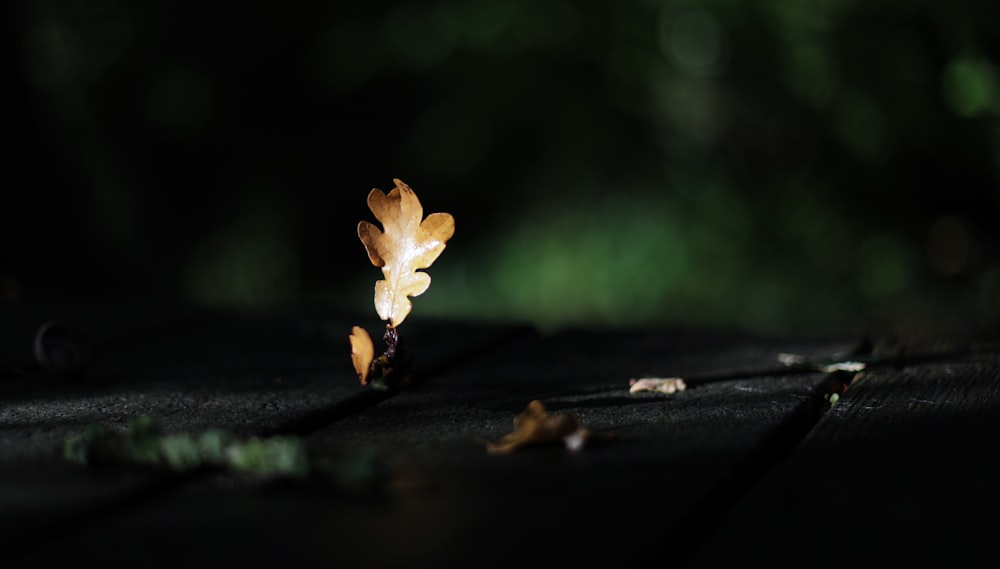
[[535, 425], [405, 245], [362, 352]]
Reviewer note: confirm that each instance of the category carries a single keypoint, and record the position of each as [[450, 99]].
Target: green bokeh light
[[885, 266], [346, 55], [179, 101], [418, 34], [970, 86], [693, 39], [250, 261], [810, 70], [860, 123], [616, 261]]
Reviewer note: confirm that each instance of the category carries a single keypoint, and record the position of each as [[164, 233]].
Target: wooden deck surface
[[756, 461]]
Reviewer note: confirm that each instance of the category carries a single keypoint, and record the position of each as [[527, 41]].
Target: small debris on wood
[[792, 359], [841, 366], [535, 425], [60, 350], [828, 367], [666, 385]]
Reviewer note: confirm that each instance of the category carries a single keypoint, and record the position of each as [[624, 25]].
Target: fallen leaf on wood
[[404, 245], [666, 385], [535, 425], [362, 352]]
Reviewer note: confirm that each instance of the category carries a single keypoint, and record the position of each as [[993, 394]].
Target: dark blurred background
[[773, 165]]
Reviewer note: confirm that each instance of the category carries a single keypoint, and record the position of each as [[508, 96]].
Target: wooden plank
[[902, 469], [435, 496], [253, 375]]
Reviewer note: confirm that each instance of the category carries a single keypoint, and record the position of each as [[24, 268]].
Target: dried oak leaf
[[536, 425], [406, 245], [362, 352]]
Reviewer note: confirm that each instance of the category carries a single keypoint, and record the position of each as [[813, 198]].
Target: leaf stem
[[391, 338]]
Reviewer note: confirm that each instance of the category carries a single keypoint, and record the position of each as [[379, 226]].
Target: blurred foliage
[[143, 442], [769, 165]]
